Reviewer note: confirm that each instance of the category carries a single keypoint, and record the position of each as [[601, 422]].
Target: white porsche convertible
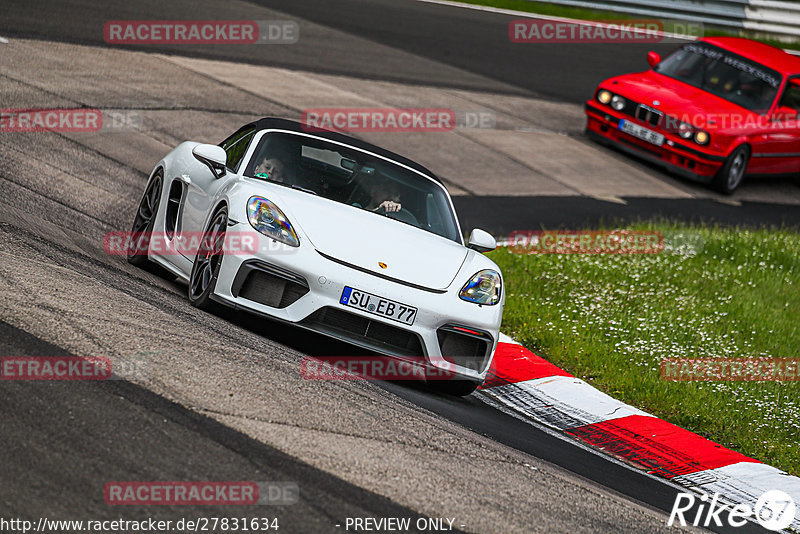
[[351, 241]]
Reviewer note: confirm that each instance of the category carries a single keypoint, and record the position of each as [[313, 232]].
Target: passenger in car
[[273, 168]]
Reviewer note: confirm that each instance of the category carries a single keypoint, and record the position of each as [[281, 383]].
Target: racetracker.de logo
[[372, 368], [189, 32], [50, 120], [187, 244], [609, 31], [379, 119], [54, 368], [585, 242], [200, 493], [779, 119], [731, 369]]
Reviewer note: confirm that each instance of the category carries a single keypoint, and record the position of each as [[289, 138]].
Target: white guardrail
[[778, 18]]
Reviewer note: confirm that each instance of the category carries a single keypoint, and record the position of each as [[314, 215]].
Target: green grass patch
[[673, 26], [712, 293]]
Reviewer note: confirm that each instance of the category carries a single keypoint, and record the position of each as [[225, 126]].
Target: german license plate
[[641, 132], [361, 300]]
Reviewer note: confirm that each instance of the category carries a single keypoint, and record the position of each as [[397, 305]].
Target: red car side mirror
[[653, 58], [784, 113]]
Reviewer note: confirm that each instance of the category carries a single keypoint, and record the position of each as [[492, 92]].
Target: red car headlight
[[701, 137]]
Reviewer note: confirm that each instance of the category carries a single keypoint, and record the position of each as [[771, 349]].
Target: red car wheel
[[731, 174]]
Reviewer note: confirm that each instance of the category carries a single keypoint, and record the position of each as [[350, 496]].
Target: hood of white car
[[366, 240]]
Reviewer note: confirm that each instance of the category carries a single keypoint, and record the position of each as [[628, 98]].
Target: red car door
[[777, 149]]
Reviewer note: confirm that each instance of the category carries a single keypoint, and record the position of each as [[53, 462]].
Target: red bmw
[[714, 110]]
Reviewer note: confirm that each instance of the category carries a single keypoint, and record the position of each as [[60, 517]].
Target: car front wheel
[[731, 174], [143, 222], [207, 261], [458, 388]]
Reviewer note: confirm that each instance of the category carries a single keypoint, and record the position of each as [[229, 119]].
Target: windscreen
[[724, 74], [354, 178]]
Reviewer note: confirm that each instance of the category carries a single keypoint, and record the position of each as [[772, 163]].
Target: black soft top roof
[[270, 123]]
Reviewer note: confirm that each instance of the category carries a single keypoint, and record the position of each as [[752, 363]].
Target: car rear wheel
[[144, 221], [731, 174], [207, 261]]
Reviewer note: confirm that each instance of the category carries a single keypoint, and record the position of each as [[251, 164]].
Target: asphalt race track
[[58, 460], [219, 397], [463, 39]]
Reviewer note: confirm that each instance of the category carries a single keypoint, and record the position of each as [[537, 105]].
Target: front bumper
[[301, 286], [602, 125]]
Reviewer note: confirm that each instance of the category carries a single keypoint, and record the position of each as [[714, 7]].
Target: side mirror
[[784, 113], [481, 241], [213, 156], [653, 58]]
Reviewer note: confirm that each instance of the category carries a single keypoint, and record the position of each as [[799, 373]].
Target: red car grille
[[648, 115]]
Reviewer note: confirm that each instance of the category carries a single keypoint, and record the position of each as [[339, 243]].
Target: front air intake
[[465, 347], [268, 285], [380, 336]]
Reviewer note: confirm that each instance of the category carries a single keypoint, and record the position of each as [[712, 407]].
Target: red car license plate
[[641, 132]]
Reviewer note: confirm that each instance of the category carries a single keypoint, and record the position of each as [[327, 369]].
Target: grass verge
[[712, 293]]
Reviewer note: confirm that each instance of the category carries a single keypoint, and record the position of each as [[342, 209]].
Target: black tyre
[[144, 220], [731, 175], [207, 262], [458, 388]]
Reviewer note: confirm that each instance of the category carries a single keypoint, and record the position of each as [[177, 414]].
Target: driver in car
[[386, 190]]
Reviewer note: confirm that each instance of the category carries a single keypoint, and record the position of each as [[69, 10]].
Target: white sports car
[[351, 241]]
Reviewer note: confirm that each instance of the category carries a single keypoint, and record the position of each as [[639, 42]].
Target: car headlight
[[268, 219], [701, 137], [604, 97], [685, 130], [617, 102], [483, 288]]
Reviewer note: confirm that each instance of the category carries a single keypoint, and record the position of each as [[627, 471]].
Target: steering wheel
[[403, 215]]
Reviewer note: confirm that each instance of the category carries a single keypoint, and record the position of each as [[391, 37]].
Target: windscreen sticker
[[735, 62]]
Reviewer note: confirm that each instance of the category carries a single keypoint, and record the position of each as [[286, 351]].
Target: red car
[[713, 110]]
